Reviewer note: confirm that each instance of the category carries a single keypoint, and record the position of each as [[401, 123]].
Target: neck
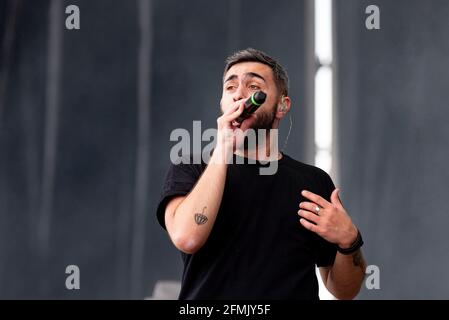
[[266, 150]]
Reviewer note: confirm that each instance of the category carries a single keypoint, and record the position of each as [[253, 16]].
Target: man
[[244, 235]]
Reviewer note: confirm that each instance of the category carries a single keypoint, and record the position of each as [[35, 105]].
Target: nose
[[239, 94]]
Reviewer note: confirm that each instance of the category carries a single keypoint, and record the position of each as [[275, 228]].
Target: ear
[[283, 107]]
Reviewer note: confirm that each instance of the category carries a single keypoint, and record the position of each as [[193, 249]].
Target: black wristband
[[354, 247]]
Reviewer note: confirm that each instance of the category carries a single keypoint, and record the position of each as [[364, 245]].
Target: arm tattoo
[[357, 260], [200, 218]]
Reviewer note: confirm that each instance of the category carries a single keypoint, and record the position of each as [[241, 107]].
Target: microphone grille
[[260, 97]]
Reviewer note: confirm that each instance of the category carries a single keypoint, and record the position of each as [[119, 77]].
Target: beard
[[264, 121]]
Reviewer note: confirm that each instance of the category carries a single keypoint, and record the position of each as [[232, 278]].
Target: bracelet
[[354, 247]]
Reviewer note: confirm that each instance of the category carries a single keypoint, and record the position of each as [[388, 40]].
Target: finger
[[231, 109], [335, 197], [235, 110], [316, 198], [313, 207], [308, 225], [310, 216], [234, 115]]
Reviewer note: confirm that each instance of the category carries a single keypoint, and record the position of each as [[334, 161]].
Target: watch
[[354, 247]]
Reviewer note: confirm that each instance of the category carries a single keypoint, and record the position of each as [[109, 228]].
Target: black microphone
[[251, 105]]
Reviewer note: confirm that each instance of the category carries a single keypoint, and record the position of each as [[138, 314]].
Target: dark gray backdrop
[[392, 141], [83, 110]]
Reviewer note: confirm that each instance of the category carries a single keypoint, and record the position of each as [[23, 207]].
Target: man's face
[[245, 78]]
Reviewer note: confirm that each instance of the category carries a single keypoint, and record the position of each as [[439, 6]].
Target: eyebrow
[[248, 74]]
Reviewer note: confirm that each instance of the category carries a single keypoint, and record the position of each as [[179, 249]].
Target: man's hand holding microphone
[[232, 125]]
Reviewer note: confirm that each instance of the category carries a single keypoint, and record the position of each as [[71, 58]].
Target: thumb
[[335, 197]]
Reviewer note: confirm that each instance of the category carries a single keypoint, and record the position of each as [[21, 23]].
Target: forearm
[[346, 276], [194, 217]]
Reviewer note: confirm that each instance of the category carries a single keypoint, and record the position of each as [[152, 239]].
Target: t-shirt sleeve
[[326, 251], [179, 181]]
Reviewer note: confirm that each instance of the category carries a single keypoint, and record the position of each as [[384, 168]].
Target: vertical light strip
[[323, 84], [54, 62], [143, 147], [323, 98], [323, 118]]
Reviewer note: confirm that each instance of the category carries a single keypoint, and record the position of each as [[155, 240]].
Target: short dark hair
[[253, 55]]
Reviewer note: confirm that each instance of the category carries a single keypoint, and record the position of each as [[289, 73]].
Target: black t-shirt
[[257, 248]]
